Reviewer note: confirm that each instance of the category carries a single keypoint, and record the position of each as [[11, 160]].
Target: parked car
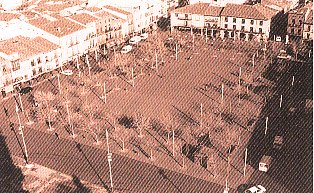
[[265, 162], [25, 90], [278, 142], [126, 49], [135, 40], [283, 55], [278, 39], [256, 189], [67, 72], [144, 36]]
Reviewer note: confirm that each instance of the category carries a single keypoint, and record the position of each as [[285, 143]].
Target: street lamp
[[23, 138], [109, 159]]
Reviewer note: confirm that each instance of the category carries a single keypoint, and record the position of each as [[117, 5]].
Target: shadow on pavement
[[79, 148], [11, 177], [75, 186], [292, 164], [164, 176]]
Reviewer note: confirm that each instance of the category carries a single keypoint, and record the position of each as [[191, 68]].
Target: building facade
[[232, 21], [200, 16], [308, 27], [219, 3], [247, 21], [296, 22], [26, 58]]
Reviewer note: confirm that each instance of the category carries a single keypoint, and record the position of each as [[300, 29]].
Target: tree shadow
[[75, 186], [163, 174], [79, 148], [11, 178]]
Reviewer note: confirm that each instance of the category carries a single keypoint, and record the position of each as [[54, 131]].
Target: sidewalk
[[150, 104], [39, 179]]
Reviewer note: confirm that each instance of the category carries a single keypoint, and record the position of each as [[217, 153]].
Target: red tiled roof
[[60, 27], [117, 9], [309, 19], [257, 11], [8, 16], [83, 18], [26, 47], [93, 9], [200, 8]]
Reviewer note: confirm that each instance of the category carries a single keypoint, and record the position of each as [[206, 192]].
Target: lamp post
[[266, 124], [105, 93], [69, 120], [245, 158], [109, 159], [59, 84], [23, 138], [173, 143]]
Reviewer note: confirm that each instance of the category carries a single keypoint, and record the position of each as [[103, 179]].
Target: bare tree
[[45, 98]]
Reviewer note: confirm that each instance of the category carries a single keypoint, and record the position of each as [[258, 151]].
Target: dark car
[[26, 90]]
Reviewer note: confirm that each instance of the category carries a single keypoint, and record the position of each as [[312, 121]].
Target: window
[[32, 63], [226, 19], [300, 22], [226, 26], [308, 36], [234, 20], [176, 14], [242, 28], [252, 22], [243, 21], [15, 65], [234, 27], [260, 30], [251, 29], [293, 21], [260, 23], [308, 28]]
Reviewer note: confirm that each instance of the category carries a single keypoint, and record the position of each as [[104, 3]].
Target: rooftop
[[83, 18], [56, 5], [8, 16], [309, 19], [26, 47], [257, 11], [200, 8], [117, 9], [59, 27], [105, 14], [93, 9]]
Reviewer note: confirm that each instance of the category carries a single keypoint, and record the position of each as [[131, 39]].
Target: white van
[[126, 49], [264, 164], [135, 40], [256, 189], [278, 39]]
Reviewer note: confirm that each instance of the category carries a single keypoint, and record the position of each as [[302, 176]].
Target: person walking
[[6, 111]]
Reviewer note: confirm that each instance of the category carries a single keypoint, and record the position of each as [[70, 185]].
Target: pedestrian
[[6, 111], [57, 135]]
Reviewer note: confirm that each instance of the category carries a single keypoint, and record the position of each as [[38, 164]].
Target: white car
[[278, 39], [278, 142], [126, 49], [144, 36], [67, 72], [256, 189], [135, 40]]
